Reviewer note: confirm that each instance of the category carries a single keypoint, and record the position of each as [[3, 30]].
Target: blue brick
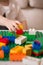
[[36, 45], [11, 38], [6, 49]]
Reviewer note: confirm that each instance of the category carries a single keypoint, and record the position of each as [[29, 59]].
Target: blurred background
[[32, 11]]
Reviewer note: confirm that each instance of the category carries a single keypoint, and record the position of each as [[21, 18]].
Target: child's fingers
[[17, 22], [12, 29], [16, 26]]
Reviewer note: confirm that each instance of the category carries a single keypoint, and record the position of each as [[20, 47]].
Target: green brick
[[36, 51]]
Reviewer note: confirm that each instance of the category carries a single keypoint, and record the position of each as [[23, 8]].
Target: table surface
[[10, 63]]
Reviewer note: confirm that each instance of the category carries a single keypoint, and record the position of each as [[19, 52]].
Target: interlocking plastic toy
[[28, 49], [30, 37], [36, 48], [17, 54], [6, 49], [36, 45], [20, 26], [28, 46], [2, 44], [20, 40], [1, 54], [10, 38], [19, 32], [0, 36], [32, 31], [4, 40]]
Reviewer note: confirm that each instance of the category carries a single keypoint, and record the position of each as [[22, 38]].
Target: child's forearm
[[25, 26]]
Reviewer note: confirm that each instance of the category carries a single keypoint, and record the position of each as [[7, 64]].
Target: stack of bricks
[[36, 48], [17, 54]]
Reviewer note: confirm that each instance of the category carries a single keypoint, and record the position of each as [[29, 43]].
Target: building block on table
[[8, 33], [39, 34], [36, 48], [32, 31], [19, 32], [1, 54], [36, 54], [20, 26], [32, 34], [20, 40], [2, 44], [36, 45], [30, 37], [6, 49], [0, 36], [28, 46], [17, 49], [4, 40], [10, 38], [31, 61], [17, 54], [28, 51]]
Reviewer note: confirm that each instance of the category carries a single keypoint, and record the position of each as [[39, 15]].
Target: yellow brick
[[20, 26], [2, 44], [28, 51], [16, 49], [28, 46]]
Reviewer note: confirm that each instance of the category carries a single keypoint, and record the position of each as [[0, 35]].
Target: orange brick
[[17, 54], [0, 36], [17, 57], [1, 54]]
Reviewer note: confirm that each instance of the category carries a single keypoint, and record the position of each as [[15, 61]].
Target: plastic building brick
[[16, 54], [28, 51], [32, 31], [1, 54], [30, 37], [19, 32], [39, 34], [10, 38], [36, 48], [4, 40], [6, 49], [40, 39], [2, 44], [26, 34], [36, 45], [0, 36], [28, 46], [20, 26], [9, 33], [31, 61], [32, 34], [20, 40], [36, 54]]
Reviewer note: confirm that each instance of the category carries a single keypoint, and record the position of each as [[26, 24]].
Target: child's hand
[[12, 25]]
